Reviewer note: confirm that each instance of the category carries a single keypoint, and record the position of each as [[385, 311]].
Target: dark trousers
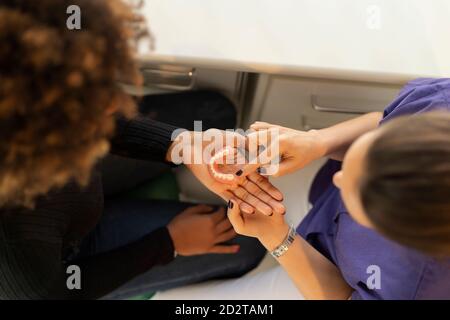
[[125, 221]]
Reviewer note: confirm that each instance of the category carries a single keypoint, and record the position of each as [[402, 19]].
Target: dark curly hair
[[56, 87]]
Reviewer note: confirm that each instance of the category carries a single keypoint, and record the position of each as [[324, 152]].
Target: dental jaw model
[[224, 164]]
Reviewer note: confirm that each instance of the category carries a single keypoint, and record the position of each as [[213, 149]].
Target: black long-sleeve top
[[33, 242]]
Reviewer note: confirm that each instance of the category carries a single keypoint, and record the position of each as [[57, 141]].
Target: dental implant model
[[224, 164]]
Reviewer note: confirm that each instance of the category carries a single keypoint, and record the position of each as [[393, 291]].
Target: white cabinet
[[312, 103]]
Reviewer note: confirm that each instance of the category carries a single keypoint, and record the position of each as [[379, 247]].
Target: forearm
[[336, 139], [314, 275], [142, 138]]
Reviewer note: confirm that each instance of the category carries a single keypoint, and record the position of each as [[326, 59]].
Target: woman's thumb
[[275, 170], [269, 157]]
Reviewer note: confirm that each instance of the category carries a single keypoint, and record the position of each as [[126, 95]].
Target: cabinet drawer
[[310, 103]]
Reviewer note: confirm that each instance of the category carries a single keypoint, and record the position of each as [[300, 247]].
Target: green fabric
[[146, 296], [163, 187]]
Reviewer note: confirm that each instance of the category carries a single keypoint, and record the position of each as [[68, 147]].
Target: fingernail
[[237, 248], [230, 204], [262, 170], [239, 173]]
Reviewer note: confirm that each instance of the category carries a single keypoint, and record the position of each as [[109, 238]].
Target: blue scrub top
[[362, 254]]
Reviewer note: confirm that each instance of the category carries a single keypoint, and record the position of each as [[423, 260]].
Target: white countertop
[[373, 40]]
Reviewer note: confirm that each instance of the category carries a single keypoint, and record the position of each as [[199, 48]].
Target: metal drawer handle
[[320, 108], [169, 79]]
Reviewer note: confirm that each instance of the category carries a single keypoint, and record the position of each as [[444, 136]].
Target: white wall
[[413, 37]]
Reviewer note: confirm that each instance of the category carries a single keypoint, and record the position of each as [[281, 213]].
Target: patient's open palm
[[251, 191]]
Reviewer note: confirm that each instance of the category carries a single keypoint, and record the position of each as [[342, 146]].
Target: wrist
[[172, 240], [176, 150], [173, 235], [320, 142], [273, 239]]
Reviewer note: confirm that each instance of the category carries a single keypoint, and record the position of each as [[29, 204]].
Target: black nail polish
[[239, 173], [230, 204]]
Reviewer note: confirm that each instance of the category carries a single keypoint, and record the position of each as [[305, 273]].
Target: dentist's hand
[[252, 191], [296, 149]]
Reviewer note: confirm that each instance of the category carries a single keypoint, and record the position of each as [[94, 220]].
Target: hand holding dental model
[[295, 148], [224, 166], [252, 191], [284, 152]]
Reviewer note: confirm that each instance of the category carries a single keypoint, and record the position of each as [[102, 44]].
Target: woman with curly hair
[[61, 110]]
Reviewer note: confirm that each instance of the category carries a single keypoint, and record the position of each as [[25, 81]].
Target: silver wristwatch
[[284, 246]]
